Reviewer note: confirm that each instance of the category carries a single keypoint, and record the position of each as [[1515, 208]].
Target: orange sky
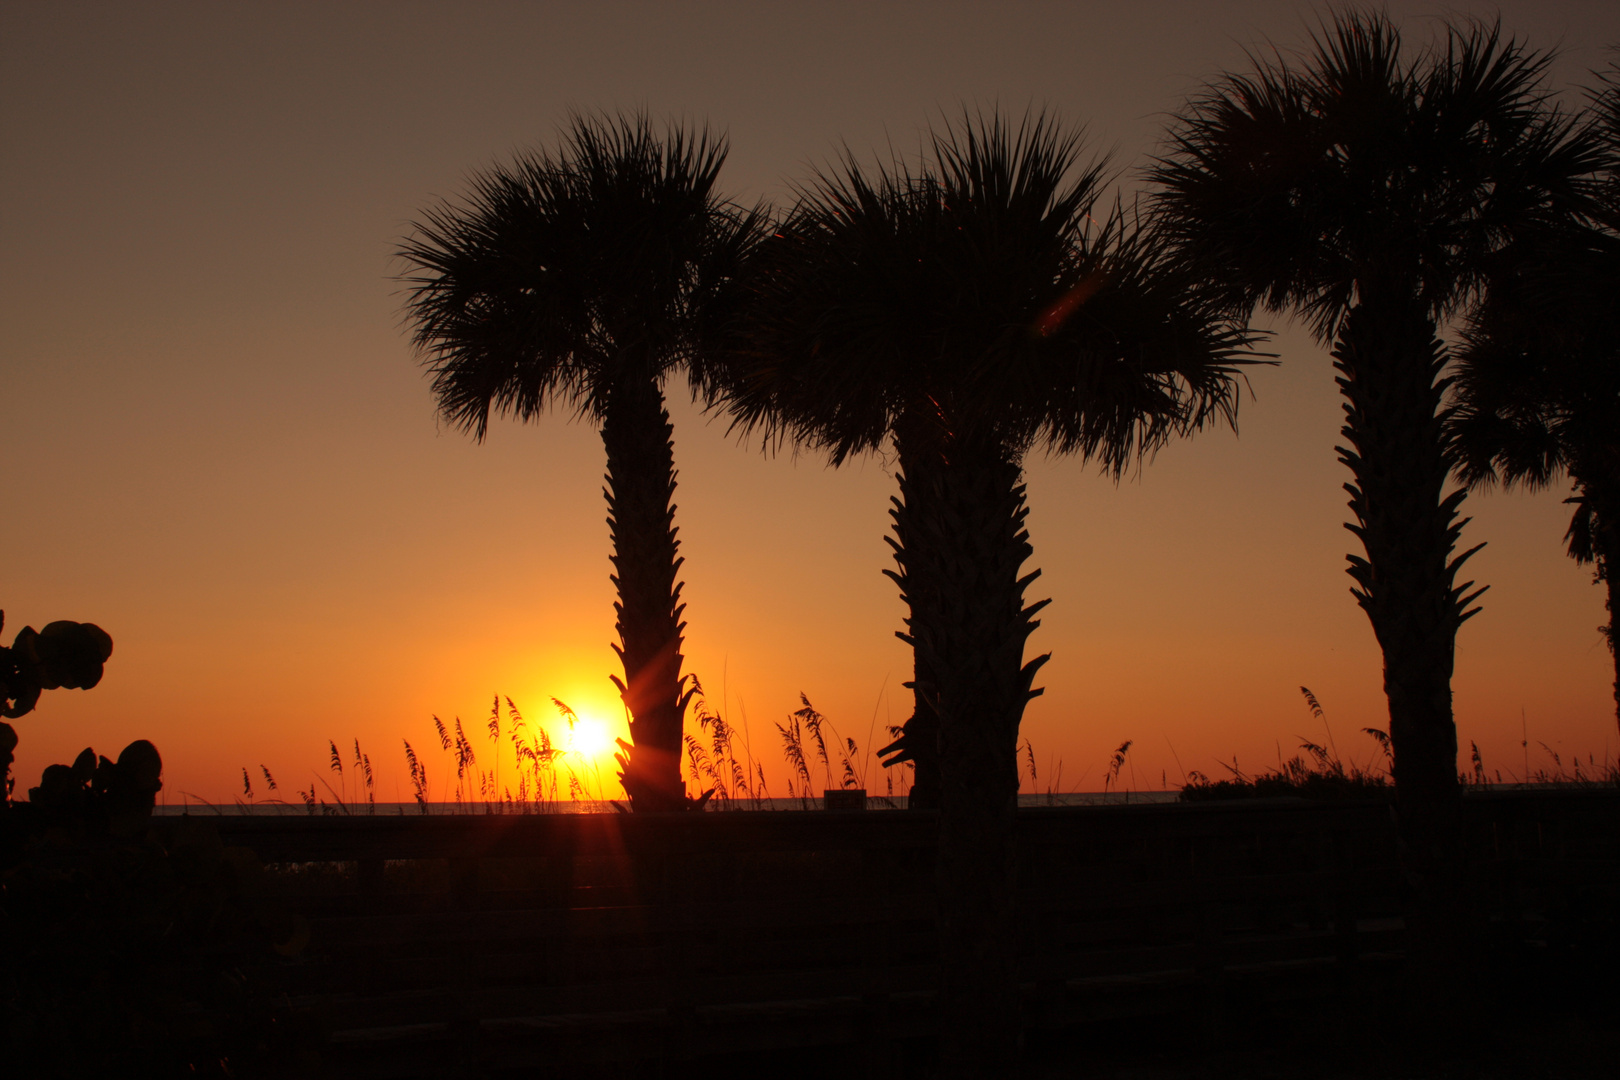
[[218, 445]]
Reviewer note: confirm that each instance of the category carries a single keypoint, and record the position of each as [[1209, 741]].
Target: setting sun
[[588, 738]]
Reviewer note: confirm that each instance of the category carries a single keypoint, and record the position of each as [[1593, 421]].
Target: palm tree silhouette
[[970, 309], [1537, 390], [583, 279], [1367, 190]]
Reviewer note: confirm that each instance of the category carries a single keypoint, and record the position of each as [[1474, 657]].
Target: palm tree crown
[[1364, 169], [583, 278], [561, 277], [977, 299]]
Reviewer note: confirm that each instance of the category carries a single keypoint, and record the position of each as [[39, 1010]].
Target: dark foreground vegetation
[[1226, 938]]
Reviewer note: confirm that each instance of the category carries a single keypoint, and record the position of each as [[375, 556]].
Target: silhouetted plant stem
[[1613, 605], [637, 435], [1389, 362], [1599, 514], [919, 739], [966, 519]]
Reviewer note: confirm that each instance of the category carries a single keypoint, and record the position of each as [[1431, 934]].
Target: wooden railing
[[557, 937]]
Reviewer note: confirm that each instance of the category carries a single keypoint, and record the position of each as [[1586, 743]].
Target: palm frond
[[1535, 390]]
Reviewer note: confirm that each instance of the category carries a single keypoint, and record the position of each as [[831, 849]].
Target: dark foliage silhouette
[[583, 279], [1317, 773], [65, 655], [1367, 187], [1537, 392], [971, 309], [130, 950], [99, 794]]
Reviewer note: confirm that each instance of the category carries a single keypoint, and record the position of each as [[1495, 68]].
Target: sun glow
[[588, 738]]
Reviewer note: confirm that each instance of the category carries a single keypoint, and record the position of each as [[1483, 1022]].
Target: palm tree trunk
[[1606, 552], [964, 527], [919, 739], [1390, 363], [637, 435], [1611, 572], [1594, 537]]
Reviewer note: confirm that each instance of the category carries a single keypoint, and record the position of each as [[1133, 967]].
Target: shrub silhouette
[[112, 797], [131, 946], [65, 655]]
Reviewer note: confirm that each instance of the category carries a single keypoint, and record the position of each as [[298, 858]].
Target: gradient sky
[[218, 445]]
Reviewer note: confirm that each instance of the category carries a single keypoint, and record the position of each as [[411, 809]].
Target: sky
[[220, 447]]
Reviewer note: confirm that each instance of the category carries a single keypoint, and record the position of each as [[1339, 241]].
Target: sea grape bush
[[115, 797], [64, 655]]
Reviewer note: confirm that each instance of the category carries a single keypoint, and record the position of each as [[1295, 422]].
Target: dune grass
[[541, 777]]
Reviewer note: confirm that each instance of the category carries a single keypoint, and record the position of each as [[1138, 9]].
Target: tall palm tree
[[1537, 391], [1366, 189], [583, 279], [962, 310]]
